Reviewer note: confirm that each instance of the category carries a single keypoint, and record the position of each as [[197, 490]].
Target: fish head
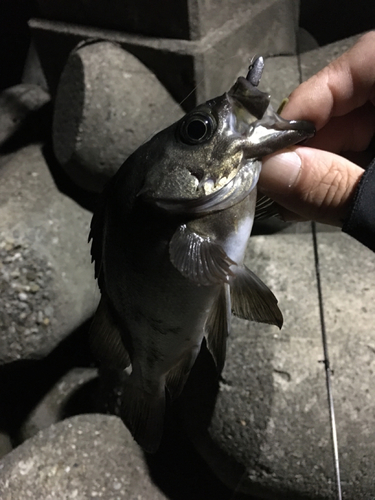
[[211, 158]]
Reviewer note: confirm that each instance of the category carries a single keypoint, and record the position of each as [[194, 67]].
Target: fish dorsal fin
[[218, 327], [265, 208], [199, 258], [177, 376], [105, 339], [96, 235], [253, 300]]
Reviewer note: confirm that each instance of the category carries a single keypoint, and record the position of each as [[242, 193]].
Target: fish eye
[[197, 128]]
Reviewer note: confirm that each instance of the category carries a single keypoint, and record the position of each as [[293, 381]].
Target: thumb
[[310, 184]]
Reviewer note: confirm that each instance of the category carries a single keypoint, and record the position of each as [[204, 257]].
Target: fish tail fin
[[143, 413]]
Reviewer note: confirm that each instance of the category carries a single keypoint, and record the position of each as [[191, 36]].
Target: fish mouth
[[230, 194]]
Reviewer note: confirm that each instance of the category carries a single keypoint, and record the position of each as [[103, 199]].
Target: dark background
[[326, 20]]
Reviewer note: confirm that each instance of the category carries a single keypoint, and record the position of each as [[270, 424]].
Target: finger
[[351, 132], [313, 184], [345, 84]]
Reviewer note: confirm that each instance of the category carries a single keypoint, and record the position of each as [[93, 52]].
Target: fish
[[168, 241]]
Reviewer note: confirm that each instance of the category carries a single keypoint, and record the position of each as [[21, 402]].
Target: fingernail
[[279, 172]]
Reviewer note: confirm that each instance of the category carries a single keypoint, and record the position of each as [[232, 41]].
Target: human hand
[[317, 182]]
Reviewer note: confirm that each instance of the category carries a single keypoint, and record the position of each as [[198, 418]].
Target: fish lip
[[272, 120]]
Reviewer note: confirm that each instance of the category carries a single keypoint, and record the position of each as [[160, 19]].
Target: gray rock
[[82, 458], [305, 41], [46, 278], [107, 104], [315, 60], [17, 104], [269, 434], [280, 77], [51, 408]]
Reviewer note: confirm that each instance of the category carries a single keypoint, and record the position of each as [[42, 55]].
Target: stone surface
[[46, 277], [315, 60], [107, 104], [85, 457], [280, 77], [52, 407], [191, 71], [269, 433], [16, 105], [305, 41]]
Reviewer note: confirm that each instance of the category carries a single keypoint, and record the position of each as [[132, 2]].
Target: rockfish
[[169, 240]]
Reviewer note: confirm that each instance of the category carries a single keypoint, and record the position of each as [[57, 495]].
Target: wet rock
[[46, 278], [53, 407], [85, 457], [269, 434], [108, 103], [17, 104]]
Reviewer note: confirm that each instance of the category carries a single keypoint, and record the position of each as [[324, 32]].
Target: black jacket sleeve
[[360, 222]]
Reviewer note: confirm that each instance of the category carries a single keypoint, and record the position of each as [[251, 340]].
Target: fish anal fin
[[218, 327], [105, 338], [178, 375], [253, 300], [143, 414], [199, 258]]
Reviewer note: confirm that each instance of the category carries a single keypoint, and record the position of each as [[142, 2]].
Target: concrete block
[[51, 408], [269, 433], [46, 277], [107, 104], [280, 77], [18, 104], [191, 70], [315, 60], [186, 19], [84, 457]]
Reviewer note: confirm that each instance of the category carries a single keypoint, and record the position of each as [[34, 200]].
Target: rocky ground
[[262, 430]]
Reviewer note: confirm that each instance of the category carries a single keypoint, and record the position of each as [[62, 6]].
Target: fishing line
[[327, 366]]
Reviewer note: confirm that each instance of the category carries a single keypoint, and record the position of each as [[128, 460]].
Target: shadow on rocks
[[24, 383], [65, 185], [177, 468]]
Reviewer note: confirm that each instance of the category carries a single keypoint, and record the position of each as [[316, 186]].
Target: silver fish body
[[169, 241]]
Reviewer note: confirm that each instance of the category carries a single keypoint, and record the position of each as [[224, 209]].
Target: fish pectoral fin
[[178, 375], [265, 208], [253, 300], [143, 413], [218, 327], [105, 338], [199, 258]]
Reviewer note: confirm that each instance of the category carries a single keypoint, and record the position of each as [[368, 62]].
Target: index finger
[[344, 85]]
